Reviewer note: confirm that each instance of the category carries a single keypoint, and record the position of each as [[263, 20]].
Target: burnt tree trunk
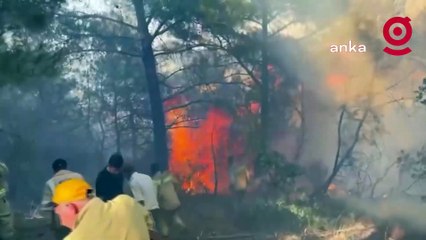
[[214, 161], [156, 103], [265, 81], [341, 160]]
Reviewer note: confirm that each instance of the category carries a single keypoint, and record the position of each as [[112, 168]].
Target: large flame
[[199, 151]]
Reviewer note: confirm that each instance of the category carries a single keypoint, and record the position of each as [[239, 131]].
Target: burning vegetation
[[319, 134], [200, 148]]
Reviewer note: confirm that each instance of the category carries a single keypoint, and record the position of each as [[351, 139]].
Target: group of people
[[78, 211], [146, 212]]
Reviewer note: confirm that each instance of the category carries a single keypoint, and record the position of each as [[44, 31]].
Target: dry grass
[[356, 230]]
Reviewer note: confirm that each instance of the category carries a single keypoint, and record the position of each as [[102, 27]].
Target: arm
[[154, 235], [100, 187], [121, 183], [149, 220], [47, 195], [175, 181], [136, 191]]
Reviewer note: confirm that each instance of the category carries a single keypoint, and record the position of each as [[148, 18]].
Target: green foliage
[[420, 92], [282, 173], [29, 14], [19, 64], [269, 216], [308, 215], [414, 163], [19, 59], [187, 19]]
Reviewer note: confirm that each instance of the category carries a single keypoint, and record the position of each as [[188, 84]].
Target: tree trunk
[[156, 103], [116, 127], [102, 140], [265, 81], [133, 130], [101, 124], [340, 161], [214, 161], [302, 134]]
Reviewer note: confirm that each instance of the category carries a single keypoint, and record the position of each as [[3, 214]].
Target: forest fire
[[199, 148], [199, 151]]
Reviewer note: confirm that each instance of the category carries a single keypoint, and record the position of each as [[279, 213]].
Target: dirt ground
[[221, 217]]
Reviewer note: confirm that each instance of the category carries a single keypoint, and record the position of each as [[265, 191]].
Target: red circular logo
[[398, 39]]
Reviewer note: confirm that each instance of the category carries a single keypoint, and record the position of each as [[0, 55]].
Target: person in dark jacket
[[109, 182]]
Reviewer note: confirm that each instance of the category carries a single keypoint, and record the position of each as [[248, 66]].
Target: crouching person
[[88, 217]]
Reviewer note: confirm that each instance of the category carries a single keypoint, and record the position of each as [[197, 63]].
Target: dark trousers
[[168, 219], [156, 215]]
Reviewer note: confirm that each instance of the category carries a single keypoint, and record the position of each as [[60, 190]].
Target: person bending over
[[109, 182], [88, 217]]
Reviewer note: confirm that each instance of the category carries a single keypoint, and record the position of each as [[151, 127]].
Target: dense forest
[[334, 141]]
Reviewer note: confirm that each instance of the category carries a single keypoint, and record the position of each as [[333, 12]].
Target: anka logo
[[349, 47], [397, 32]]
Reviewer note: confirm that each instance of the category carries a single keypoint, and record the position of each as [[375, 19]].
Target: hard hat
[[71, 190]]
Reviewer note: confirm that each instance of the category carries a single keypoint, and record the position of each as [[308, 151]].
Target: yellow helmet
[[71, 190]]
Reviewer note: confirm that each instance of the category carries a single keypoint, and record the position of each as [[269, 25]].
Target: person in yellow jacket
[[6, 220], [60, 173], [168, 200], [121, 218], [238, 182], [239, 177]]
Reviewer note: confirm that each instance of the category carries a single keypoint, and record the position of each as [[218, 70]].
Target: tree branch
[[190, 87], [282, 28], [194, 66], [180, 50], [95, 35], [339, 146], [411, 185], [81, 15], [196, 120], [103, 51], [187, 104], [380, 179], [213, 47], [158, 29], [338, 164]]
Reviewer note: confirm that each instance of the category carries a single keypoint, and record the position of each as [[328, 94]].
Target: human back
[[109, 182], [167, 195], [144, 190], [61, 173], [121, 218], [88, 217], [61, 176]]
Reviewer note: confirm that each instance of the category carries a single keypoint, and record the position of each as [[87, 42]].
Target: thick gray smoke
[[344, 78]]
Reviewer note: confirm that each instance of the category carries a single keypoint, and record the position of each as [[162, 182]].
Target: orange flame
[[199, 153], [336, 80]]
